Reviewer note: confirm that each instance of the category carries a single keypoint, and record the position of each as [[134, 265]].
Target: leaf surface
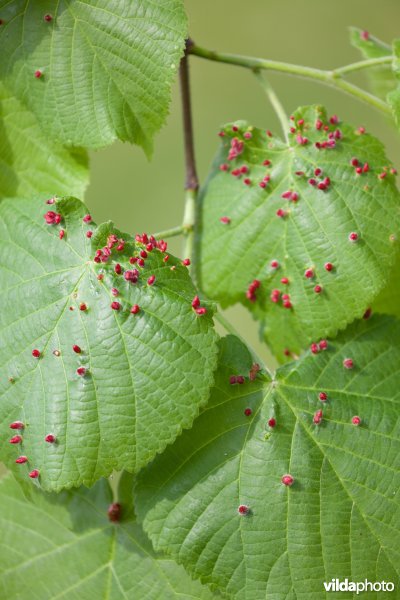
[[314, 230], [30, 162], [341, 516], [65, 546], [106, 66], [147, 373], [382, 79]]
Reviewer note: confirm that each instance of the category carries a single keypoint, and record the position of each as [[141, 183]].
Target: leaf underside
[[341, 516], [314, 231], [147, 374], [106, 65], [65, 546]]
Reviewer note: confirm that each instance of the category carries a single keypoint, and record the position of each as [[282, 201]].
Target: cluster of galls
[[17, 439]]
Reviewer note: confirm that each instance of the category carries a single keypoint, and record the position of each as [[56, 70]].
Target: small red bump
[[76, 349], [318, 124], [366, 168], [356, 420], [317, 417], [247, 135], [17, 425], [358, 170], [48, 18], [243, 510], [36, 353], [21, 460], [353, 236], [247, 412], [166, 258], [34, 474], [143, 254], [232, 380], [285, 280], [115, 305], [52, 218], [323, 345], [323, 396], [364, 35], [100, 276], [354, 162], [318, 289], [317, 172], [247, 181], [81, 371], [61, 234], [196, 302], [287, 480], [38, 74], [274, 264], [114, 292], [114, 512], [201, 311], [266, 163], [286, 352], [348, 363], [271, 422], [50, 438], [328, 266], [83, 306], [89, 234], [224, 167], [135, 309], [269, 133], [314, 348], [87, 218], [367, 313], [281, 213], [225, 220], [287, 304], [309, 273], [118, 269], [151, 279], [186, 262], [16, 439], [240, 379]]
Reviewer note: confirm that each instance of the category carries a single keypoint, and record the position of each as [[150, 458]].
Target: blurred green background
[[147, 196]]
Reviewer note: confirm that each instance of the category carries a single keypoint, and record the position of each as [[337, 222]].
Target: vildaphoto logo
[[336, 585]]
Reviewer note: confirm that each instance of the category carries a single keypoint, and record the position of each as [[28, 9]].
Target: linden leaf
[[393, 97], [216, 500], [65, 546], [31, 163], [382, 79], [300, 233], [113, 386], [93, 71]]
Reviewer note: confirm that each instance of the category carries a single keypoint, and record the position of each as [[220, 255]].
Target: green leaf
[[382, 79], [314, 232], [107, 66], [31, 163], [341, 516], [65, 546], [147, 373], [388, 301], [393, 97]]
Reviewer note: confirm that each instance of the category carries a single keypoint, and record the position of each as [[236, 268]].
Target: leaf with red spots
[[65, 546], [98, 71], [137, 378], [330, 197], [382, 79], [320, 487]]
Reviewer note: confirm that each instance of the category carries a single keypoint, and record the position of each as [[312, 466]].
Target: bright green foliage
[[107, 65], [147, 373], [388, 301], [341, 516], [65, 547], [394, 96], [315, 231], [381, 78], [30, 163]]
